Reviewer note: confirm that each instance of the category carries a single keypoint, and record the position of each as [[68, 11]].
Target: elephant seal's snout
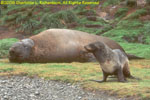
[[11, 51]]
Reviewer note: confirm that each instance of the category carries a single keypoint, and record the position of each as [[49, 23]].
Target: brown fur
[[126, 70], [112, 62]]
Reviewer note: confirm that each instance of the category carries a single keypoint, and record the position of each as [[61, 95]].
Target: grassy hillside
[[126, 26]]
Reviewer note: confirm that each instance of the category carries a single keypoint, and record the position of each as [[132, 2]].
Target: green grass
[[137, 13], [148, 1], [36, 18], [59, 19], [121, 12], [6, 70], [83, 72], [90, 30], [137, 49], [99, 21], [5, 44], [105, 26], [131, 29], [111, 2]]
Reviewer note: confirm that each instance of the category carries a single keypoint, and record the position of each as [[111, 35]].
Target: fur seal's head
[[95, 46], [20, 51]]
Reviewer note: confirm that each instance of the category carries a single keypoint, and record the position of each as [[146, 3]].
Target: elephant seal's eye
[[11, 52]]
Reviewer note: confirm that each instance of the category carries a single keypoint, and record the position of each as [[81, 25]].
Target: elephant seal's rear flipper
[[131, 56]]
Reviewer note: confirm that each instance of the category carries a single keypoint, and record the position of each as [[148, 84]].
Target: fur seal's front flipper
[[120, 75], [113, 76], [131, 56], [99, 81], [105, 75]]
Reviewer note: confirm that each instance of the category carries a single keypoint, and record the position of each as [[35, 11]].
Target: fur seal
[[57, 45], [112, 62]]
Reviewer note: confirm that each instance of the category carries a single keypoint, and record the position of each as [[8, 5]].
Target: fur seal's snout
[[94, 46], [88, 48]]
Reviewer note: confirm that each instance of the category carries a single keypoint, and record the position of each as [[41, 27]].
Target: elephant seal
[[57, 45], [112, 62]]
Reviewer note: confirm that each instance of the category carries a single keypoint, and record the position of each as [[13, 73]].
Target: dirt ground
[[8, 33]]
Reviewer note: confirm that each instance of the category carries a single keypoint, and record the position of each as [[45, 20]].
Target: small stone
[[68, 84], [2, 90], [3, 82], [37, 93], [31, 95], [5, 97], [10, 86], [61, 88], [79, 97], [5, 93]]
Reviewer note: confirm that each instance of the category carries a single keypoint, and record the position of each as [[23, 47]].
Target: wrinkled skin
[[20, 51]]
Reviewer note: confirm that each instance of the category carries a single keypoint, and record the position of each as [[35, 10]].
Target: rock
[[79, 97], [10, 86], [3, 81], [37, 93], [5, 97]]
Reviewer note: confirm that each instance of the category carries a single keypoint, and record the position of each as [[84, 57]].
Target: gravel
[[25, 88]]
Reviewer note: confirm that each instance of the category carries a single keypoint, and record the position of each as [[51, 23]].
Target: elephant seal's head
[[20, 51]]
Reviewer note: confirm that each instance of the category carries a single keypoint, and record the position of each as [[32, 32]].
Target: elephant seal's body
[[57, 45], [112, 62]]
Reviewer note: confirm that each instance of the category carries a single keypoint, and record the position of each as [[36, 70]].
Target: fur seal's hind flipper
[[132, 77], [99, 81], [131, 56]]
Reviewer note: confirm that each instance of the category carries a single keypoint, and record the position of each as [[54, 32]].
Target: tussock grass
[[5, 44], [105, 26], [30, 19], [137, 49], [83, 72], [121, 12], [111, 2], [133, 30], [137, 13]]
